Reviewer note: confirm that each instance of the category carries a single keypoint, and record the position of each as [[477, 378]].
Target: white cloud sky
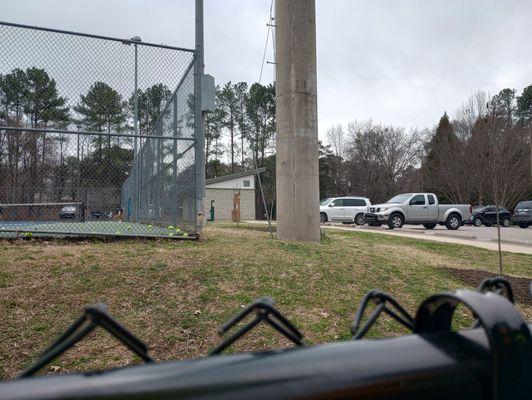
[[398, 62]]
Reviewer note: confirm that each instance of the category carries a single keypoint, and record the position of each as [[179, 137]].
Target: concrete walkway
[[465, 238]]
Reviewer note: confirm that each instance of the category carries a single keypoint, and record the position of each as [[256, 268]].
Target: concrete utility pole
[[297, 122], [198, 121]]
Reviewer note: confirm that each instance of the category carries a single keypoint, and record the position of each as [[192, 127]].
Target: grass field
[[174, 295]]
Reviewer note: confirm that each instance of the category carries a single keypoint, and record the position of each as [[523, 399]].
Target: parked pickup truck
[[417, 209]]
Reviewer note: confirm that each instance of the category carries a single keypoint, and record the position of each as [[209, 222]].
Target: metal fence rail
[[96, 135]]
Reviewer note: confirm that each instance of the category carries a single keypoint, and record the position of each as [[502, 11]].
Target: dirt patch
[[473, 277]]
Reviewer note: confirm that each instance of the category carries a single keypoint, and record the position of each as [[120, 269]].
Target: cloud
[[398, 62]]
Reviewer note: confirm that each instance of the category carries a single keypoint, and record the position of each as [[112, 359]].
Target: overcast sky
[[398, 62]]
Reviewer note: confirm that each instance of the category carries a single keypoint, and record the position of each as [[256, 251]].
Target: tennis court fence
[[97, 136]]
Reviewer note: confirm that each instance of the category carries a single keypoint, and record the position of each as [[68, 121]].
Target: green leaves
[[524, 105], [150, 105], [32, 95], [102, 109]]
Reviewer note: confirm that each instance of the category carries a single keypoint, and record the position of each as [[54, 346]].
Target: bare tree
[[470, 111], [336, 138], [381, 159], [502, 156]]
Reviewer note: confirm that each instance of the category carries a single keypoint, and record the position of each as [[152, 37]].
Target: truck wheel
[[453, 222], [359, 219], [323, 218], [429, 226], [396, 221], [524, 225], [505, 222]]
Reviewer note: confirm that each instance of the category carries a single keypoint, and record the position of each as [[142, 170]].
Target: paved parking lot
[[514, 239], [512, 234]]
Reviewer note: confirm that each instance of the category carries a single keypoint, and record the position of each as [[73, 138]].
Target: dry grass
[[174, 295]]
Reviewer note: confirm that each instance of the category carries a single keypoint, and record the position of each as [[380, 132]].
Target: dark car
[[95, 214], [487, 216], [523, 214], [68, 212]]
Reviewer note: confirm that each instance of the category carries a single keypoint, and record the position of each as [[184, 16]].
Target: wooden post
[[235, 214]]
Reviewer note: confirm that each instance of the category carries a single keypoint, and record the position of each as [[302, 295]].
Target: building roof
[[235, 175]]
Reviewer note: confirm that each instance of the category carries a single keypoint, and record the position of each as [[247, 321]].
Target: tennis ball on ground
[[29, 234], [150, 226], [129, 227], [171, 234], [170, 227], [185, 234]]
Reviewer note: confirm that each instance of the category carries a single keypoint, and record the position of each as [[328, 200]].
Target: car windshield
[[524, 205], [400, 198], [326, 201], [69, 209]]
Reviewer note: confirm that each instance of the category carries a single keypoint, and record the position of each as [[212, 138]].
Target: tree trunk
[[232, 145], [499, 240], [242, 150], [530, 130]]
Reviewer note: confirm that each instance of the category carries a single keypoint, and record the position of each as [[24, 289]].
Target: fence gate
[[97, 136]]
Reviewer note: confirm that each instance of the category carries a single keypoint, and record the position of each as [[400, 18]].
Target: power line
[[269, 25], [265, 205]]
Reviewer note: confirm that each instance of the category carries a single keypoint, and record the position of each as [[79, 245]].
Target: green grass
[[174, 295]]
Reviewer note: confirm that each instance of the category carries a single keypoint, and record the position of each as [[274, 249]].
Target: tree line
[[481, 156], [240, 133], [33, 162]]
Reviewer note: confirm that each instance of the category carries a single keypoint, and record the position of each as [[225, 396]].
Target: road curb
[[508, 246], [510, 241], [467, 237]]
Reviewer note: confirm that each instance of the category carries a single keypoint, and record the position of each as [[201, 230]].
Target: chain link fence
[[96, 135]]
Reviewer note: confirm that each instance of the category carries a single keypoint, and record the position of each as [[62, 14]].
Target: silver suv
[[344, 209], [523, 214]]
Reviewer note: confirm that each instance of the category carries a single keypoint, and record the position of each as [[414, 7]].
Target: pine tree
[[524, 111], [260, 117], [103, 110], [151, 103], [443, 171], [231, 101]]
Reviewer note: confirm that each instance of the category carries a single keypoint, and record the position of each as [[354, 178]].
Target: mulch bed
[[472, 277]]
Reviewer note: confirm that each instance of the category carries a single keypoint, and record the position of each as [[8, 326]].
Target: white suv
[[344, 209]]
